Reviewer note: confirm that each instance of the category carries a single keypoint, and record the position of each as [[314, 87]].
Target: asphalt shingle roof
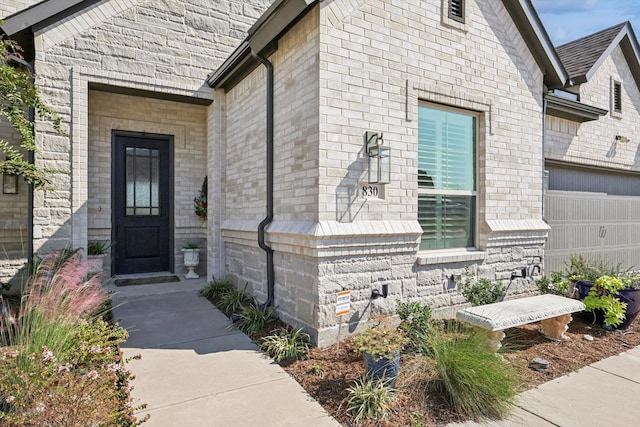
[[579, 56]]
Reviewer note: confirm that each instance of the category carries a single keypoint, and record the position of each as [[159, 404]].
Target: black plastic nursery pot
[[632, 298], [383, 368], [583, 289]]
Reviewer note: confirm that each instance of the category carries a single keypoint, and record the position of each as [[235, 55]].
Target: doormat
[[147, 280]]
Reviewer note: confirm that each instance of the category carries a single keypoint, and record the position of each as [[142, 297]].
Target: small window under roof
[[456, 10], [617, 97]]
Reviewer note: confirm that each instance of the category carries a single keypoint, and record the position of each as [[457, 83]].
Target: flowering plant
[[200, 203], [200, 206]]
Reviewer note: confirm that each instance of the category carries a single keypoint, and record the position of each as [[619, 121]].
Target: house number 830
[[369, 191]]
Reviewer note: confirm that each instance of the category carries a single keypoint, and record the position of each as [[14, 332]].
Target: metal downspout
[[31, 160], [544, 136], [269, 218]]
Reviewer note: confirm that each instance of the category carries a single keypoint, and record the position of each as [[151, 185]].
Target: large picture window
[[446, 177]]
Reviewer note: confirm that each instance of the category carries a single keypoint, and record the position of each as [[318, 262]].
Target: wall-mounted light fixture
[[379, 158], [620, 138], [9, 184]]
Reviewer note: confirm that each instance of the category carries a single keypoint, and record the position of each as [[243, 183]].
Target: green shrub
[[252, 319], [484, 291], [416, 322], [580, 268], [477, 381], [285, 344], [368, 398], [234, 299], [555, 285], [216, 289]]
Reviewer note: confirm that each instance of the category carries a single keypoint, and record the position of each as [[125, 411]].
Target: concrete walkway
[[195, 372], [603, 394]]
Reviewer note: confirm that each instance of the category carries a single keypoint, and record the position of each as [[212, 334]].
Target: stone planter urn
[[191, 261], [96, 263]]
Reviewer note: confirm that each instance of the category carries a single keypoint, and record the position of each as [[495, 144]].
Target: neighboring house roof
[[583, 57], [282, 14]]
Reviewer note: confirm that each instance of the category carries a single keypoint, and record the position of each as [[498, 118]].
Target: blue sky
[[567, 20]]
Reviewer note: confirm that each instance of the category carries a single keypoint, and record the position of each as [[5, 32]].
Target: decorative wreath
[[200, 202]]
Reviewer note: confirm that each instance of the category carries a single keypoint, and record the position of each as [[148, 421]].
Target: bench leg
[[555, 327], [494, 337]]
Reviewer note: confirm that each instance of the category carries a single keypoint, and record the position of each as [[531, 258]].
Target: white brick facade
[[367, 65]]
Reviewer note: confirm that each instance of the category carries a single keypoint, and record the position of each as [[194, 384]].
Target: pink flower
[[10, 399], [95, 349], [113, 367], [92, 375]]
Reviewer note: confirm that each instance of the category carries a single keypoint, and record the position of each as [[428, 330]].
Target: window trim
[[477, 115]]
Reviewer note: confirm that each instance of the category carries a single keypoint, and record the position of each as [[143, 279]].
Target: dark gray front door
[[141, 202]]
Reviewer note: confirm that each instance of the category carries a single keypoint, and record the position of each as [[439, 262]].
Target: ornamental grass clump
[[60, 363], [252, 319], [216, 289], [477, 381], [368, 398], [57, 298], [233, 300], [285, 344]]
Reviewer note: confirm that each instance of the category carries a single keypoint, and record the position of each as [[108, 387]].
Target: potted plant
[[381, 347], [583, 273], [97, 250], [631, 296], [191, 252], [616, 299]]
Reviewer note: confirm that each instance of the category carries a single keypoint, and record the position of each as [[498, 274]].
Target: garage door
[[602, 223]]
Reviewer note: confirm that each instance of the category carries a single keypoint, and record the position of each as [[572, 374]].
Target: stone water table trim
[[552, 311]]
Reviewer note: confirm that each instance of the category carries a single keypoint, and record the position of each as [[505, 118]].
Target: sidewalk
[[603, 394], [195, 372]]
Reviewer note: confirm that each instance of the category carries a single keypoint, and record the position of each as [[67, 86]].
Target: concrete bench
[[552, 311]]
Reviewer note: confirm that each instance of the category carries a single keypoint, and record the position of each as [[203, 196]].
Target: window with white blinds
[[446, 177]]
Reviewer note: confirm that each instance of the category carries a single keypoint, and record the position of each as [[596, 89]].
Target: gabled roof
[[584, 56], [535, 36], [40, 12], [282, 14]]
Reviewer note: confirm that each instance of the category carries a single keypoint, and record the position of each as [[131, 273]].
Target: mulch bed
[[326, 373], [417, 402]]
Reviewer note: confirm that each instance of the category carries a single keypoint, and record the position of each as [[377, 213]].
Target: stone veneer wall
[[375, 61], [592, 143], [164, 47]]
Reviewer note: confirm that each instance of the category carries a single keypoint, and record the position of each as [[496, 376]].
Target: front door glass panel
[[142, 181]]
